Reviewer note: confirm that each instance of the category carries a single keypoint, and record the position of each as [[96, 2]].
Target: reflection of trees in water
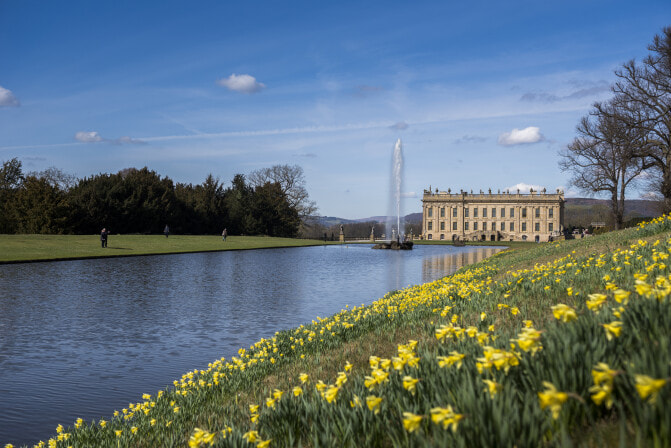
[[449, 263]]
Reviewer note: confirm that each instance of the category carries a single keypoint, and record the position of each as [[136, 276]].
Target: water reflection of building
[[537, 216], [449, 263]]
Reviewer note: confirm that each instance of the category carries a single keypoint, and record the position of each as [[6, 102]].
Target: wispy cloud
[[7, 98], [94, 137], [308, 155], [399, 126], [88, 137], [125, 140], [241, 83], [581, 89], [531, 134], [470, 139]]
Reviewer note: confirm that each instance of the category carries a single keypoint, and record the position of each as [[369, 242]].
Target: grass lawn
[[21, 248]]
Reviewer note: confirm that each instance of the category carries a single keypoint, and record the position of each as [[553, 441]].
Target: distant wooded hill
[[577, 212]]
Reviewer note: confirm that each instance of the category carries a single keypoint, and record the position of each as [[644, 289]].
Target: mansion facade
[[534, 216]]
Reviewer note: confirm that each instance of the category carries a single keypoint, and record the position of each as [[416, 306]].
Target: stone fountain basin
[[395, 245]]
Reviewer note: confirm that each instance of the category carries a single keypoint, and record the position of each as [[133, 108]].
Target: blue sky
[[483, 94]]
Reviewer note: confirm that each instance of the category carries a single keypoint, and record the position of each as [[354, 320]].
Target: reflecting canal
[[83, 338]]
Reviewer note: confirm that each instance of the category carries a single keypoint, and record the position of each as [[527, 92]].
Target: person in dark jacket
[[103, 237], [166, 231]]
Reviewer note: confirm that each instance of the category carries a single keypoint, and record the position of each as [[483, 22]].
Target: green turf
[[19, 248]]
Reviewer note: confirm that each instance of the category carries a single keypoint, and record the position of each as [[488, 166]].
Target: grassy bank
[[561, 344], [22, 248]]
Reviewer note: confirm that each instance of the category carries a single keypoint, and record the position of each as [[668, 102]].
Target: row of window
[[511, 226], [502, 210]]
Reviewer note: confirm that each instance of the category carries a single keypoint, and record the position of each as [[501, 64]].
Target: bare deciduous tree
[[644, 90], [292, 182], [602, 157]]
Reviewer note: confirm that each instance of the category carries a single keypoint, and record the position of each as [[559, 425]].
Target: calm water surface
[[83, 338]]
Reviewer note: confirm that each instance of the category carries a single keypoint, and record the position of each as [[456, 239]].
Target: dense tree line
[[627, 139], [141, 201]]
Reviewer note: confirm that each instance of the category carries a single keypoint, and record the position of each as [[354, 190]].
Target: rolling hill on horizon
[[639, 207]]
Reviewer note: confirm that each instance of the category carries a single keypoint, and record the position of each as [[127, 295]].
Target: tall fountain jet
[[393, 228], [395, 232]]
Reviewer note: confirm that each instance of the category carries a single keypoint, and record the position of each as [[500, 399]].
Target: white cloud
[[532, 134], [7, 98], [409, 194], [524, 188], [88, 137], [651, 196], [241, 83]]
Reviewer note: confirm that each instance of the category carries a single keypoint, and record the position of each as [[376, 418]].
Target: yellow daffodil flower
[[564, 313], [409, 383], [331, 393], [552, 398], [411, 421], [251, 436], [492, 387], [649, 387], [613, 329], [373, 403], [446, 416]]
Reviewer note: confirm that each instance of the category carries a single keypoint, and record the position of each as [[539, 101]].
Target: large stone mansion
[[534, 216]]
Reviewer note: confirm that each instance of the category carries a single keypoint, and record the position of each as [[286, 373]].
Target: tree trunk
[[665, 187], [616, 210]]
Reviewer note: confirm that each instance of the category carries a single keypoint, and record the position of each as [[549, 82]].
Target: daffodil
[[303, 377], [492, 387], [552, 398], [251, 436], [621, 296], [411, 421], [649, 387], [263, 443], [613, 329], [603, 384], [373, 403], [341, 379], [446, 417], [564, 313], [409, 383], [331, 393], [596, 301], [297, 391]]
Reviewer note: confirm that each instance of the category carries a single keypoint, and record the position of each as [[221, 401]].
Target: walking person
[[103, 237], [166, 231], [224, 234]]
